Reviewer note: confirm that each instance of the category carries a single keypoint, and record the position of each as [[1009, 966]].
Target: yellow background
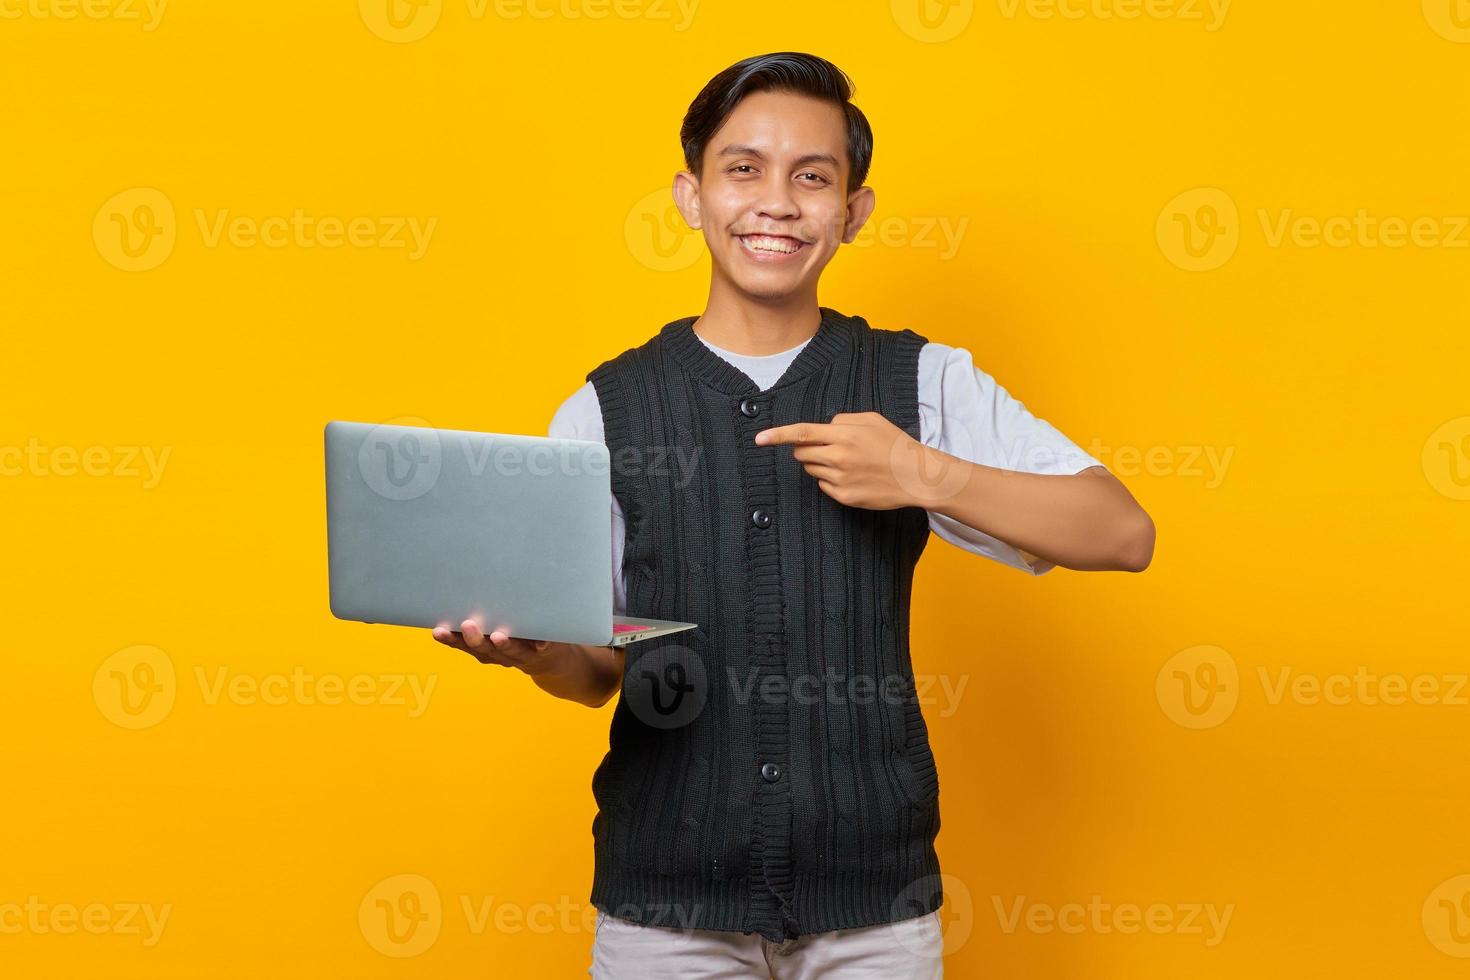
[[1079, 761]]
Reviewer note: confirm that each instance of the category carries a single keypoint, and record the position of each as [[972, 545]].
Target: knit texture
[[800, 661]]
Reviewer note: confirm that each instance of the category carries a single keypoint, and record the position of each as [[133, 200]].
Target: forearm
[[1087, 521], [588, 675]]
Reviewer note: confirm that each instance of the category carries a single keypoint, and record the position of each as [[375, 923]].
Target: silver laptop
[[430, 527]]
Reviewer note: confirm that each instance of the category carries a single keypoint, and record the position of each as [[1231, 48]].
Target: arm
[[584, 674], [1086, 521], [965, 414], [588, 675]]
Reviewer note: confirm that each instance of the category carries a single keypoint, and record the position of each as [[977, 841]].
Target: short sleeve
[[965, 413], [580, 417]]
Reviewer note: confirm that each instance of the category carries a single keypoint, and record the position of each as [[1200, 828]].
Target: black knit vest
[[770, 771]]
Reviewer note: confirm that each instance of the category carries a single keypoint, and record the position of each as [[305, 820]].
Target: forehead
[[783, 125]]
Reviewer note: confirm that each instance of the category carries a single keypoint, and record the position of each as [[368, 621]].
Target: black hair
[[783, 71]]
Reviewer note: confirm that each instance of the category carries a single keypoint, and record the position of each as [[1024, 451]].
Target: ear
[[686, 197], [860, 206]]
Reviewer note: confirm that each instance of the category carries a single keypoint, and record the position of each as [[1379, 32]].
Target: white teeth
[[761, 243]]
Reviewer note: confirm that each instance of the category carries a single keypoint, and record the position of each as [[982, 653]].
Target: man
[[769, 803]]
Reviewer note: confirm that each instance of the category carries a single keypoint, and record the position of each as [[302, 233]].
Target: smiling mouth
[[771, 244]]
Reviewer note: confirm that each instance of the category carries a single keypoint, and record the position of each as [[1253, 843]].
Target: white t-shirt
[[962, 412]]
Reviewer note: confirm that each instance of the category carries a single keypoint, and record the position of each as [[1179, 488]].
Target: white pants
[[911, 949]]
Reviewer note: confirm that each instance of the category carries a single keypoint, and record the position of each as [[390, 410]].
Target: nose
[[775, 200]]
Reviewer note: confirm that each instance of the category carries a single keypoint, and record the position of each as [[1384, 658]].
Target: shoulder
[[936, 358], [900, 338], [896, 350], [891, 357], [579, 416], [949, 383], [646, 352]]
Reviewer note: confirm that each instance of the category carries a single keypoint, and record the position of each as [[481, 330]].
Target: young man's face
[[773, 201]]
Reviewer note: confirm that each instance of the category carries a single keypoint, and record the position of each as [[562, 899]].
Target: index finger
[[800, 433]]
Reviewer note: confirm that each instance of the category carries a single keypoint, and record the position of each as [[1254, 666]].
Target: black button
[[749, 408], [760, 519], [770, 772]]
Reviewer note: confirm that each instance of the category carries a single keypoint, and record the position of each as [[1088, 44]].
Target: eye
[[816, 175], [739, 166]]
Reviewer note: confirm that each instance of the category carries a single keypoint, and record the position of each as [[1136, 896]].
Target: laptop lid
[[435, 526]]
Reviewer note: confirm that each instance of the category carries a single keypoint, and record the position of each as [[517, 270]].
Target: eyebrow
[[741, 150]]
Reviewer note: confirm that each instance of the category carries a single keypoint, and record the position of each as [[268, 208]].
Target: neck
[[745, 325]]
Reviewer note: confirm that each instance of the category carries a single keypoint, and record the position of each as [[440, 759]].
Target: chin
[[773, 284], [767, 290]]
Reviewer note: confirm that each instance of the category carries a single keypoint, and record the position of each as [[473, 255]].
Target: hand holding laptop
[[496, 648]]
